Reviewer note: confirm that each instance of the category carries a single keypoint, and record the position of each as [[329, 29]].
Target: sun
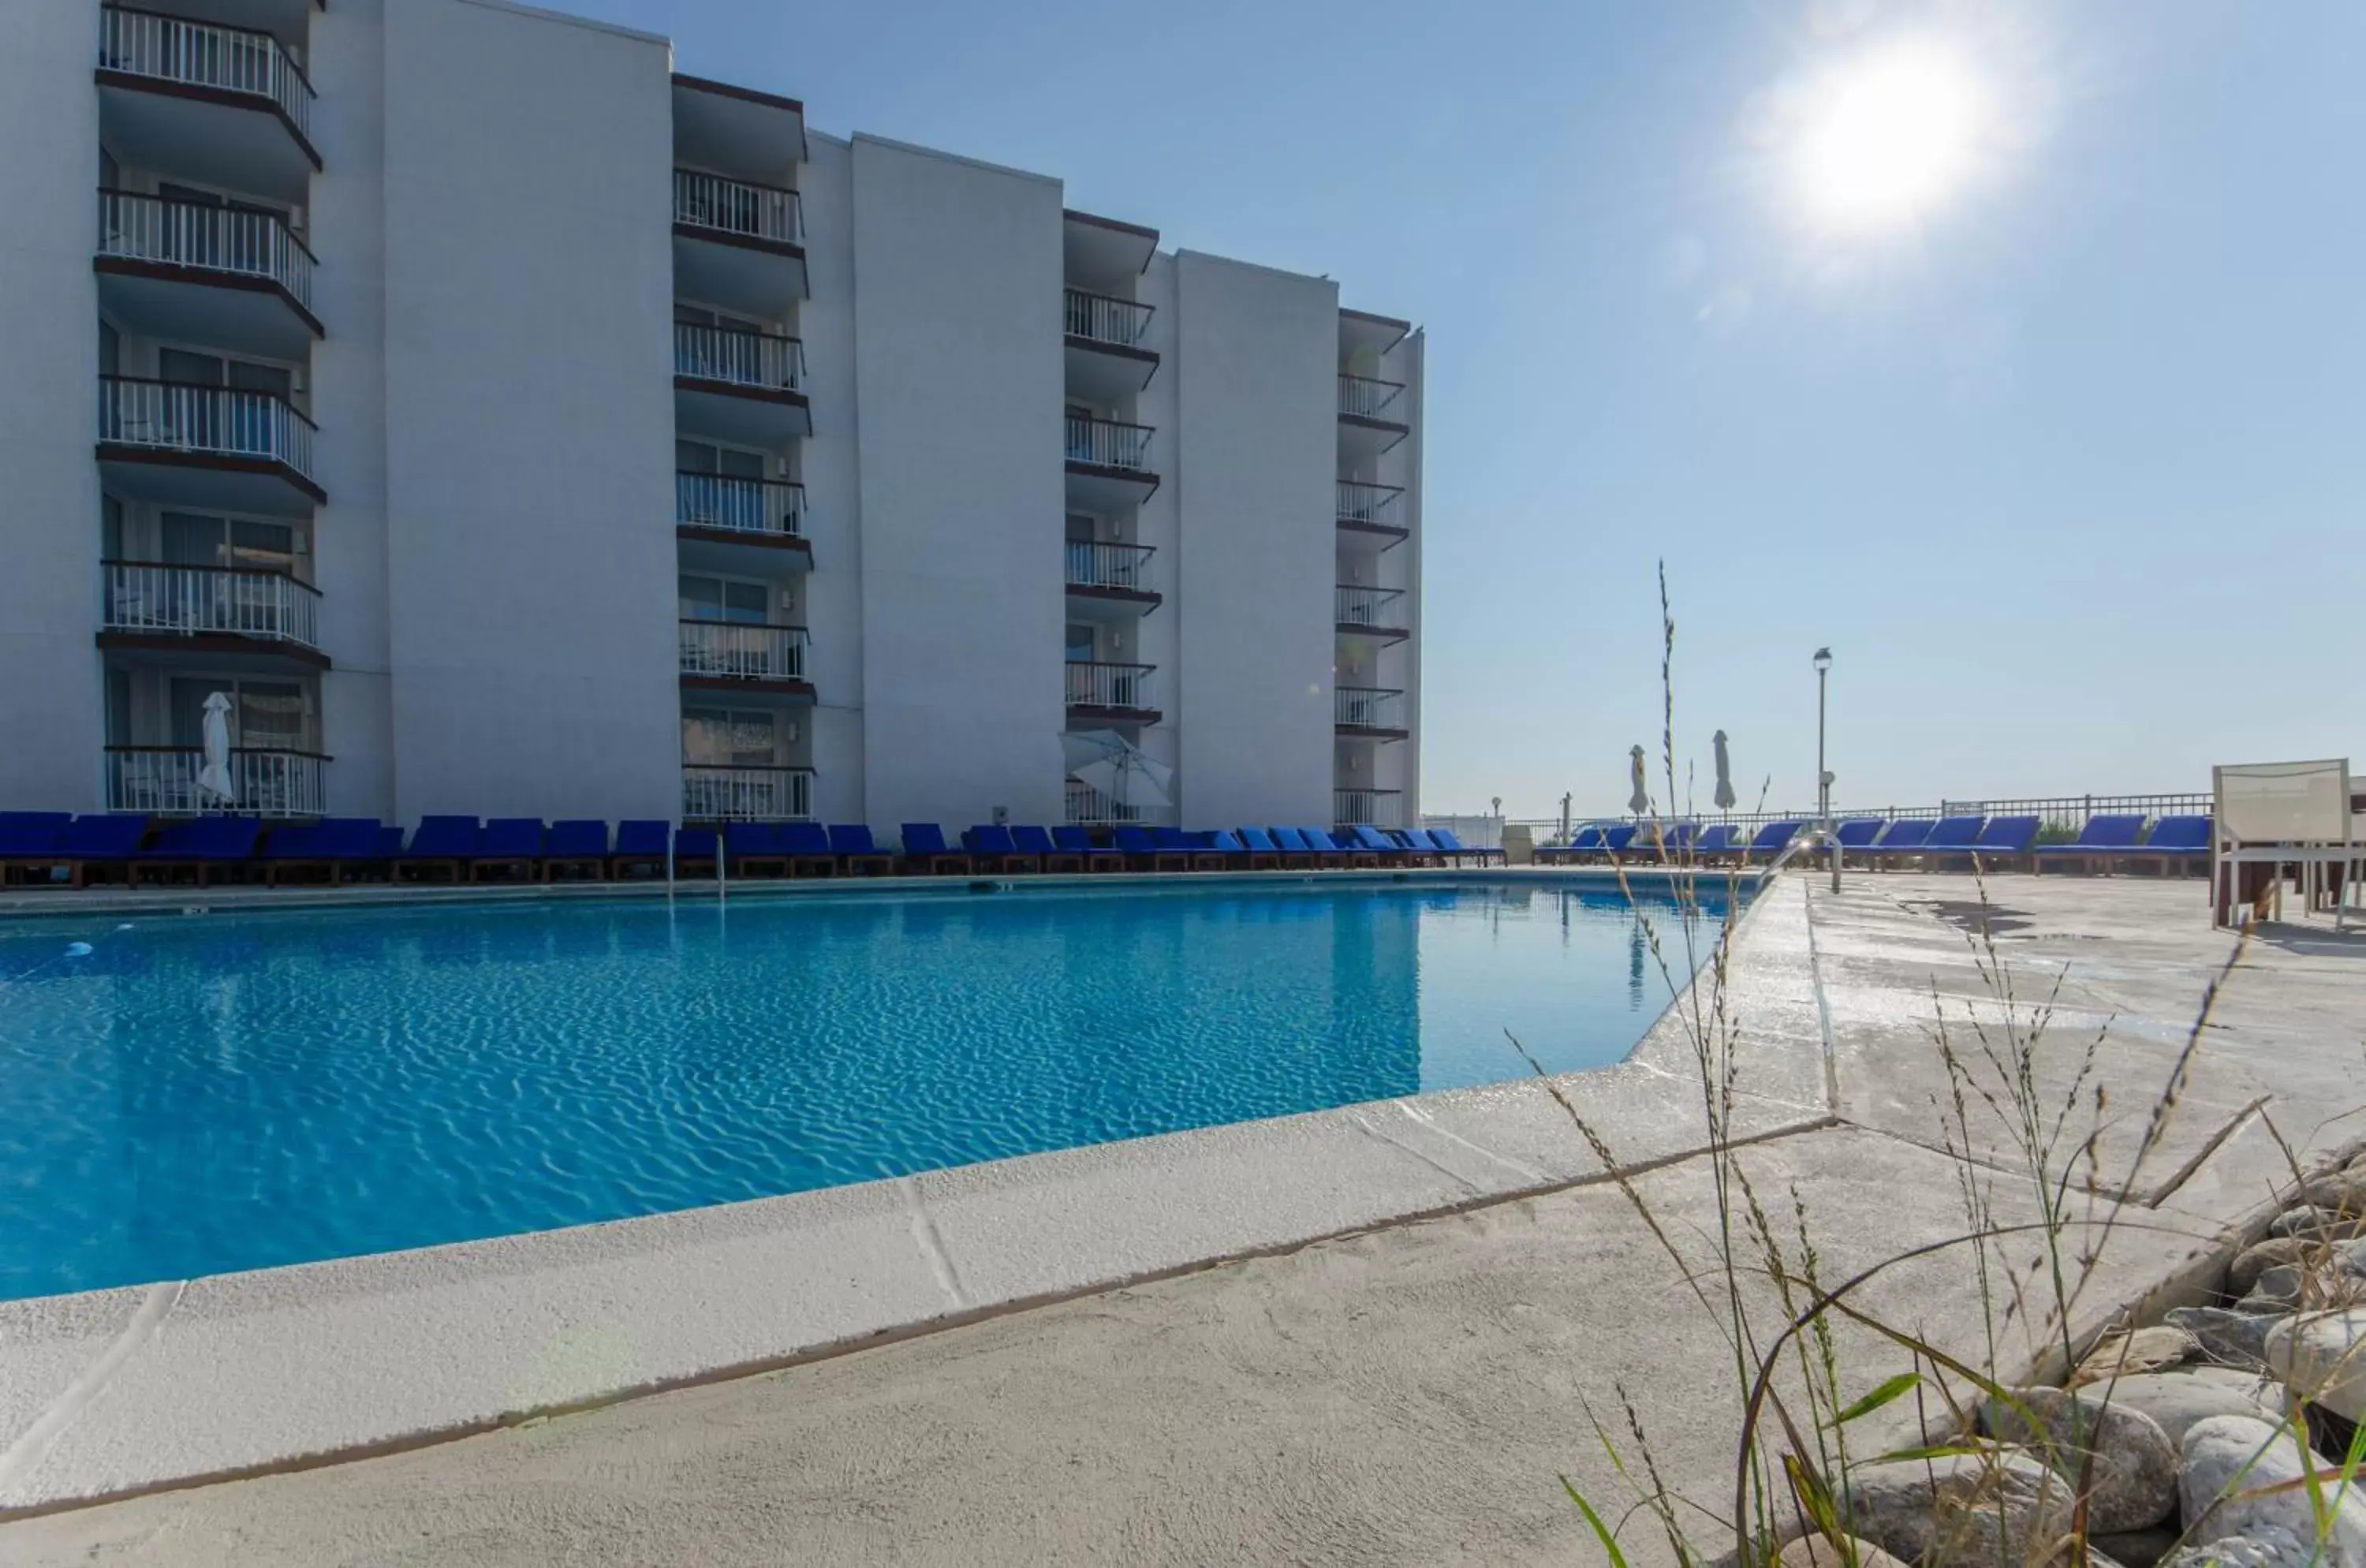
[[1886, 139]]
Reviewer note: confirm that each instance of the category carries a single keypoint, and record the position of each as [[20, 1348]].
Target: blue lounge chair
[[993, 849], [1293, 846], [806, 845], [925, 846], [1953, 836], [1584, 842], [30, 839], [1143, 853], [1077, 841], [199, 847], [753, 850], [697, 846], [440, 843], [2000, 842], [851, 843], [1904, 840], [2178, 841], [1445, 839], [1233, 846], [1772, 840], [1391, 852], [1617, 838], [577, 844], [1194, 852], [1341, 845], [1857, 834], [1264, 847], [2101, 837], [334, 848], [640, 843], [1037, 841], [1718, 841], [91, 844], [1418, 849], [509, 846], [1670, 840]]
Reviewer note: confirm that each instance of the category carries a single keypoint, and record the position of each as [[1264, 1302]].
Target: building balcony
[[743, 388], [1102, 337], [737, 244], [187, 272], [1086, 806], [729, 524], [746, 794], [1377, 614], [738, 132], [1108, 464], [747, 658], [1373, 416], [226, 105], [1372, 808], [1107, 581], [164, 780], [1111, 694], [1376, 512], [243, 621], [213, 447], [1368, 713]]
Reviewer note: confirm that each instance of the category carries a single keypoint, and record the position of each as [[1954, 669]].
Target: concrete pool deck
[[1347, 1386]]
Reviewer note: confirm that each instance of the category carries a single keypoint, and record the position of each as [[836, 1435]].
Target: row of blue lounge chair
[[54, 848], [2107, 840]]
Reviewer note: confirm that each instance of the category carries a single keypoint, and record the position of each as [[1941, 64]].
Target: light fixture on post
[[1823, 663]]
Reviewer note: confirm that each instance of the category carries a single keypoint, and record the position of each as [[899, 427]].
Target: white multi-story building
[[508, 424]]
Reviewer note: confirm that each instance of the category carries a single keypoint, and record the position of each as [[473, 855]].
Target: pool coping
[[110, 1393]]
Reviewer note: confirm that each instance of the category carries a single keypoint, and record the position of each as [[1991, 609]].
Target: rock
[[2231, 1338], [2270, 1548], [2318, 1225], [2138, 1350], [2137, 1549], [2228, 1462], [2344, 1192], [1815, 1552], [1979, 1510], [2276, 1290], [2252, 1262], [2323, 1357], [2133, 1480], [2177, 1400]]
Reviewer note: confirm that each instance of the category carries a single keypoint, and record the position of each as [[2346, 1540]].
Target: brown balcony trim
[[1378, 634], [1089, 712], [786, 250], [215, 642], [1365, 422], [1121, 595], [235, 752], [1114, 225], [763, 539], [802, 691], [781, 395], [1371, 732], [218, 462], [745, 94], [1116, 351], [217, 570], [1109, 471], [210, 277], [1389, 531], [199, 93], [1404, 329]]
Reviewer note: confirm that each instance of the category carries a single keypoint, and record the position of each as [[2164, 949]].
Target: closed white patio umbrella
[[213, 768], [1725, 796], [1641, 801]]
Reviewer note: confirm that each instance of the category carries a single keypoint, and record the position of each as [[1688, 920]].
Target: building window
[[724, 599], [729, 738]]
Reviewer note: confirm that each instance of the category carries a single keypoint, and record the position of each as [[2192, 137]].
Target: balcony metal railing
[[1089, 807], [1367, 398], [218, 239], [197, 600], [163, 780], [1366, 707], [1378, 807], [1109, 685], [1105, 318], [743, 506], [1372, 505], [204, 54], [182, 416], [746, 794], [740, 357], [1095, 564], [1368, 607], [1109, 443], [735, 206], [739, 650]]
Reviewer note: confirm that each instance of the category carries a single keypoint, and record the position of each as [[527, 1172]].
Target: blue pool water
[[193, 1096]]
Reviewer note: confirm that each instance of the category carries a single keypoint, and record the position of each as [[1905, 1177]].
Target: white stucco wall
[[833, 593], [956, 316], [1255, 361], [347, 215], [529, 415], [50, 705]]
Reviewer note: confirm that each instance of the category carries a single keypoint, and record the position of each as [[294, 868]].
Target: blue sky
[[2071, 473]]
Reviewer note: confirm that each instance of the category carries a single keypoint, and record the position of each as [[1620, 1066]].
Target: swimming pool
[[194, 1096]]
